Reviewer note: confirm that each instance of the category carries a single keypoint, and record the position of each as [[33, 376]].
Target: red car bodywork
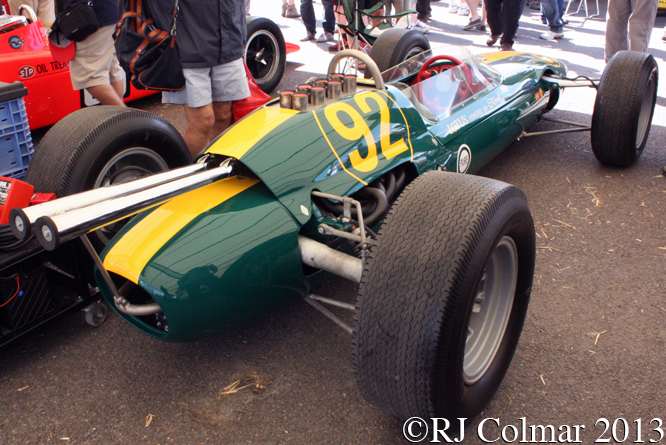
[[25, 56]]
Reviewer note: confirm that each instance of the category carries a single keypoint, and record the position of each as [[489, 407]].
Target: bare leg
[[107, 95], [199, 124], [472, 4], [223, 119], [119, 87]]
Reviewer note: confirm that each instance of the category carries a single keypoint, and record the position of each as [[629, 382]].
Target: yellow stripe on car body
[[129, 256], [244, 135]]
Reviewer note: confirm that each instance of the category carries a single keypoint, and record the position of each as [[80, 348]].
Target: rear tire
[[444, 296], [265, 52], [104, 145], [396, 45], [624, 108]]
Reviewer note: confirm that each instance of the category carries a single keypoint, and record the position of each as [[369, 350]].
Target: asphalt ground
[[592, 347]]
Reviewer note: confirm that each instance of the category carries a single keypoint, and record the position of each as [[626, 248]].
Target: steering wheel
[[464, 87], [31, 16], [370, 65], [424, 74]]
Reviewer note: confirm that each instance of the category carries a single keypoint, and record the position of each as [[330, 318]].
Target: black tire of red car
[[396, 45], [104, 145], [444, 243], [624, 108], [265, 52]]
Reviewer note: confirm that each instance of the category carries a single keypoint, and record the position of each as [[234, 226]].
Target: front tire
[[624, 108], [444, 296]]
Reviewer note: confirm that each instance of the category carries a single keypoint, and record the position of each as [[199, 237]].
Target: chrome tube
[[119, 301], [320, 256], [53, 230], [20, 220]]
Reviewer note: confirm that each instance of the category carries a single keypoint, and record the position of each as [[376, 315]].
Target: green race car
[[369, 186]]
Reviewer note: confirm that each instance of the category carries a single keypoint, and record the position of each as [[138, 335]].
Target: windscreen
[[448, 86]]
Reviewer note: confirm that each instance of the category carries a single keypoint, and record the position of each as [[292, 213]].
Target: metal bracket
[[568, 83], [347, 202], [120, 302], [314, 300], [582, 127]]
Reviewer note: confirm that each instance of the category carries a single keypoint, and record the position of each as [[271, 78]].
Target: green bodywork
[[241, 257]]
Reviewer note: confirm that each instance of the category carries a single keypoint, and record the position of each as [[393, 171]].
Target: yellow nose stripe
[[134, 250]]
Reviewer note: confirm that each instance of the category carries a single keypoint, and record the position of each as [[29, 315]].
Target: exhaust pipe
[[51, 231], [320, 256], [21, 220]]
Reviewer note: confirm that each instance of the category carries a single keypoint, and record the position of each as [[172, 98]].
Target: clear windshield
[[448, 86]]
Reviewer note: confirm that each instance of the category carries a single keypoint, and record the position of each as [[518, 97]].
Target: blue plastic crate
[[15, 139]]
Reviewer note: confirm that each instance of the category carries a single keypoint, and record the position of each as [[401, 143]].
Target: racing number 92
[[360, 129]]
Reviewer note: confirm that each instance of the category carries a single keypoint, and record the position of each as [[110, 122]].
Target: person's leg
[[552, 11], [472, 4], [560, 5], [95, 67], [493, 11], [199, 125], [291, 11], [617, 22], [387, 7], [106, 95], [510, 17], [309, 19], [423, 10], [223, 119], [328, 23], [641, 23]]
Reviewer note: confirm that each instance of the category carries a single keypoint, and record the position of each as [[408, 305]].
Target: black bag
[[148, 54], [77, 21]]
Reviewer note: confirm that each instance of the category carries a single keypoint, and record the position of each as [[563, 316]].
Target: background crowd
[[211, 35]]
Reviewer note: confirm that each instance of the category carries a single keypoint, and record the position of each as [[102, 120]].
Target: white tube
[[320, 256]]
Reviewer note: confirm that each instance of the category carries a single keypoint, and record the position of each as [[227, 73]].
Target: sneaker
[[492, 40], [308, 38], [564, 22], [663, 37], [292, 12], [506, 47], [472, 24], [453, 8], [284, 9], [550, 35], [325, 37], [420, 26], [481, 28], [463, 10]]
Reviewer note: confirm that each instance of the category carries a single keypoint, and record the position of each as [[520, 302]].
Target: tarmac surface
[[593, 345]]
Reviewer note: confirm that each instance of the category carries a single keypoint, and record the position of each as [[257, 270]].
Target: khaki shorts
[[95, 62]]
